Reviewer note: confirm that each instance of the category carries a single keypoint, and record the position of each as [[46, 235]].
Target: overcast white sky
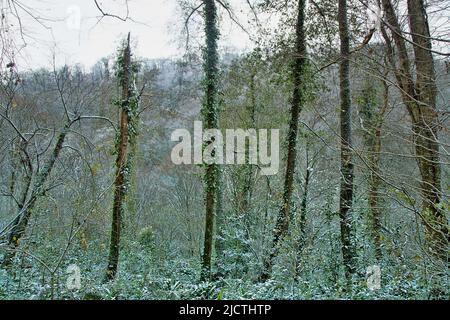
[[71, 30], [157, 29]]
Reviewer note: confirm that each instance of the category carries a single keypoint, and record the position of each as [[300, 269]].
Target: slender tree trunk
[[210, 121], [374, 196], [220, 225], [310, 161], [346, 195], [373, 116], [121, 164], [282, 223], [249, 168], [303, 205], [248, 175], [301, 220], [14, 156]]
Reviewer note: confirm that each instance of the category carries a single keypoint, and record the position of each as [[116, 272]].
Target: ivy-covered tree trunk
[[210, 121], [128, 106], [425, 128], [346, 193], [419, 97], [299, 61]]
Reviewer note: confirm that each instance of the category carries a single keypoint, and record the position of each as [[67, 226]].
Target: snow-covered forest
[[94, 206]]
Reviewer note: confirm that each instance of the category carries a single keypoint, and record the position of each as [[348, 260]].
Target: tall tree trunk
[[282, 223], [210, 121], [248, 174], [121, 164], [374, 195], [249, 168], [373, 116], [419, 98], [301, 219], [425, 128], [346, 194]]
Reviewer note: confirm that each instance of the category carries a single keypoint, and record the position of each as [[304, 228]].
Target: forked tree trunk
[[38, 190], [282, 223]]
